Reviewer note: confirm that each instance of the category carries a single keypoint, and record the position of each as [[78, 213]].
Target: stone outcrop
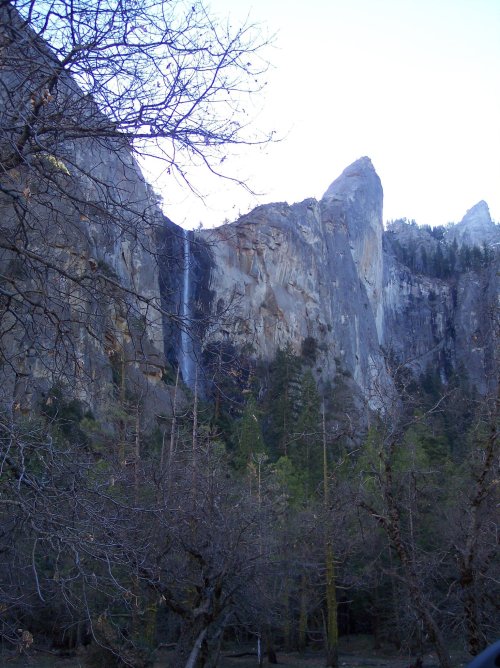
[[80, 298], [327, 270], [476, 227], [441, 296], [284, 273], [356, 197], [96, 283]]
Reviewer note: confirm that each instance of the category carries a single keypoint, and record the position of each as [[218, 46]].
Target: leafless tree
[[155, 73], [85, 88], [471, 527], [436, 513]]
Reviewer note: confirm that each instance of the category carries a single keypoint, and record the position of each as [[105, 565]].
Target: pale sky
[[413, 84]]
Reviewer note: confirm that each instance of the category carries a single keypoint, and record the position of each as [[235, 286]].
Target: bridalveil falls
[[187, 361]]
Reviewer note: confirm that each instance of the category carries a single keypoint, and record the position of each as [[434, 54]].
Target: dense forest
[[272, 510]]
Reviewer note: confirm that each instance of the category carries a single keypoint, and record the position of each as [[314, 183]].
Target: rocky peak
[[359, 176], [311, 270], [478, 216], [476, 227], [318, 271], [355, 200]]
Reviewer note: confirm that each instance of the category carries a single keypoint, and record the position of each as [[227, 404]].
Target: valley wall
[[328, 270]]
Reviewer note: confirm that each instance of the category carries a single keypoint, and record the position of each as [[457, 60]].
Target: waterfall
[[187, 361]]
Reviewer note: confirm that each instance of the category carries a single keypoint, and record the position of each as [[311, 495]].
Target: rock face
[[356, 197], [441, 297], [79, 288], [314, 269], [476, 227], [97, 285], [327, 270]]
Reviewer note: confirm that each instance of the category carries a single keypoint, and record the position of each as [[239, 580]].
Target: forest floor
[[355, 652]]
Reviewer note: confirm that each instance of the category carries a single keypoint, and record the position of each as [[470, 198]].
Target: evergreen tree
[[250, 440], [453, 255], [476, 258], [305, 450], [465, 258], [439, 263], [283, 400], [424, 260]]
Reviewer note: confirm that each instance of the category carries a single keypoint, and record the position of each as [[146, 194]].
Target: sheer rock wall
[[328, 270]]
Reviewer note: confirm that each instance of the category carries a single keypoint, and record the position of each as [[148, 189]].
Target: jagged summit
[[359, 174], [476, 227], [477, 216]]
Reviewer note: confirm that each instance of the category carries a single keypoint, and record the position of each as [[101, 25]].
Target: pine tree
[[283, 402], [305, 450], [250, 440]]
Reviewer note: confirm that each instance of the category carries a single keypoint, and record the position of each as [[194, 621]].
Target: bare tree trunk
[[332, 632], [303, 614], [122, 432], [137, 453], [166, 462], [215, 641], [193, 657], [271, 652], [135, 578], [395, 601], [377, 644], [391, 522], [287, 620], [151, 621], [468, 570], [194, 441]]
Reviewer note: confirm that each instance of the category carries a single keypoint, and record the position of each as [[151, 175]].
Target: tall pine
[[250, 440], [306, 446], [283, 402]]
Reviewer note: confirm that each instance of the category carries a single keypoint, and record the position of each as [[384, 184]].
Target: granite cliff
[[97, 285], [284, 273], [441, 297], [328, 271], [79, 292]]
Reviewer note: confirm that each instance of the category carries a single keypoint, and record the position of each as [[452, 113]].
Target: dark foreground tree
[[164, 76], [389, 495], [95, 547], [437, 515], [471, 527], [86, 87]]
